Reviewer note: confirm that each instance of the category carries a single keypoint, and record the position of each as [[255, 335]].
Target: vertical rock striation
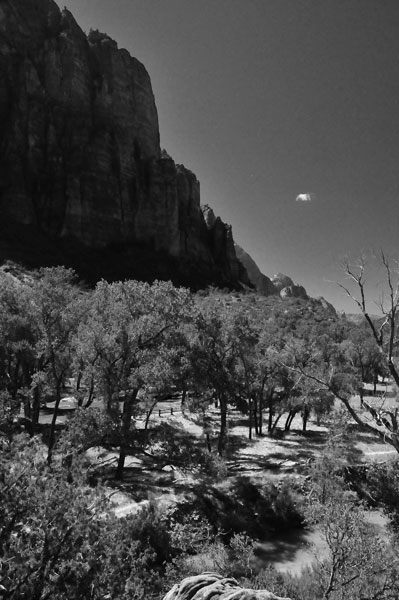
[[80, 159]]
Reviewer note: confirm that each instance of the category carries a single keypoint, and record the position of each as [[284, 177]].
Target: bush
[[173, 446], [246, 508]]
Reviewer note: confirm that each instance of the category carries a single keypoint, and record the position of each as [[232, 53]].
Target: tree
[[56, 309], [214, 357], [383, 420], [60, 539], [17, 346], [365, 355], [49, 527], [257, 371], [359, 564], [124, 343]]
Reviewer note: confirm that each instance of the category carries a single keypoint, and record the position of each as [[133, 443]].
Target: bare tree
[[385, 333]]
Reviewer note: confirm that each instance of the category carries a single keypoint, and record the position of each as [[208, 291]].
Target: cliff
[[261, 282], [82, 177]]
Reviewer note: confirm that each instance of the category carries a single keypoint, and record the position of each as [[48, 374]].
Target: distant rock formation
[[279, 284], [81, 169], [281, 281], [261, 283], [211, 586], [287, 288]]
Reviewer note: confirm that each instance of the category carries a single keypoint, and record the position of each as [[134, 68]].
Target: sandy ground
[[258, 458]]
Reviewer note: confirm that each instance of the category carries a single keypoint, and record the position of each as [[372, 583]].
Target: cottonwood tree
[[56, 312], [366, 355], [259, 375], [214, 357], [125, 339], [17, 347]]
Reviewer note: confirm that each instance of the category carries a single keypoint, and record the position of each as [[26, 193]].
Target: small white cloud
[[305, 197]]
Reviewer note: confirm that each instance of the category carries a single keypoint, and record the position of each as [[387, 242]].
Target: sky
[[268, 100]]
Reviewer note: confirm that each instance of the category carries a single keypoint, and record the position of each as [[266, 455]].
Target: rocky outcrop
[[280, 284], [294, 291], [326, 306], [281, 281], [211, 586], [80, 161], [262, 284], [221, 242], [287, 288]]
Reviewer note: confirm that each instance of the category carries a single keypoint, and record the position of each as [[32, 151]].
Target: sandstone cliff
[[261, 282], [81, 172]]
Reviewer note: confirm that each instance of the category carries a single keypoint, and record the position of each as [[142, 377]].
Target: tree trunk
[[53, 422], [270, 422], [223, 424], [256, 416], [361, 394], [29, 428], [183, 399], [289, 419], [305, 417], [274, 425], [250, 420], [147, 419], [36, 406], [126, 418], [90, 398]]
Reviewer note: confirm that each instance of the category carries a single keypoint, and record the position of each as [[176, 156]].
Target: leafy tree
[[60, 539], [365, 355], [214, 357], [125, 343], [56, 309], [16, 346], [359, 564], [49, 527]]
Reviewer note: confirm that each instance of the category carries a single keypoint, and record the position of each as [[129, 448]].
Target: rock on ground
[[213, 586]]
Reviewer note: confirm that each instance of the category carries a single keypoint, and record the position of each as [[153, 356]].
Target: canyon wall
[[81, 170]]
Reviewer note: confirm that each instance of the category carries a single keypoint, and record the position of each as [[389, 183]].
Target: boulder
[[294, 291], [211, 586]]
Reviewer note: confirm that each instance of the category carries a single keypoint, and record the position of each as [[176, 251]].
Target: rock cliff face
[[80, 161], [262, 283]]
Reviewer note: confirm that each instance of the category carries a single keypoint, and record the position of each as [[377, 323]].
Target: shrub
[[173, 446]]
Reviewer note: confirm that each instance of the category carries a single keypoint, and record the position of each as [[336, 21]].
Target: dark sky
[[268, 99]]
